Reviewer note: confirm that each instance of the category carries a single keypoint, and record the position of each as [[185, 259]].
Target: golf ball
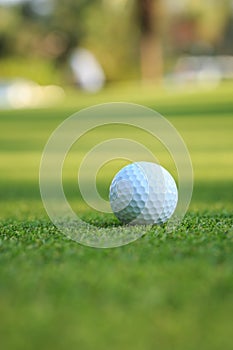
[[143, 193]]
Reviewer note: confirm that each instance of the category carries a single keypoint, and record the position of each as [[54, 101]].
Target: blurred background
[[165, 291], [47, 46]]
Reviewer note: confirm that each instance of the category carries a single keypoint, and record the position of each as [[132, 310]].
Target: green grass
[[164, 291]]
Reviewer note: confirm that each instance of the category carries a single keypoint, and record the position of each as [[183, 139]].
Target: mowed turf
[[164, 291]]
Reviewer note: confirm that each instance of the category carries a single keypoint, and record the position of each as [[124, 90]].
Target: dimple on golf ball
[[143, 193]]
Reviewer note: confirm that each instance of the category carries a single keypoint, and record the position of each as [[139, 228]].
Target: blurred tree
[[112, 34], [59, 30], [149, 17], [9, 24]]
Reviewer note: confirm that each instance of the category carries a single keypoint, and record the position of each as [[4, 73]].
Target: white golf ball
[[143, 193]]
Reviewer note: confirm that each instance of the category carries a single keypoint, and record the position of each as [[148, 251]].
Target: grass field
[[164, 291]]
